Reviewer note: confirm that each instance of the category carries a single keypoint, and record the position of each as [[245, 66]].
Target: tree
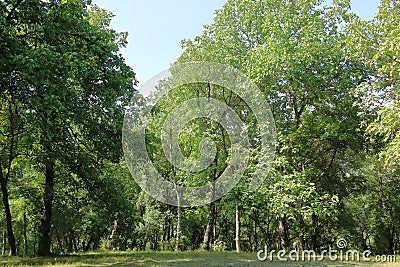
[[14, 121], [293, 50], [387, 73], [379, 98], [75, 86]]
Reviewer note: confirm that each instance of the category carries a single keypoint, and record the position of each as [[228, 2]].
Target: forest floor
[[191, 258]]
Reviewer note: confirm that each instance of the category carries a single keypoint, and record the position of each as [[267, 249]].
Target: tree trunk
[[164, 234], [315, 234], [155, 243], [179, 218], [237, 232], [255, 230], [171, 231], [303, 230], [178, 228], [284, 240], [67, 244], [7, 211], [214, 236], [209, 227], [34, 244], [226, 231], [60, 245], [3, 247], [178, 196], [45, 223], [113, 233], [211, 215], [74, 242], [25, 235], [146, 237]]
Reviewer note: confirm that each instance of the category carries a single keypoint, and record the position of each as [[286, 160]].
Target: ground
[[187, 259]]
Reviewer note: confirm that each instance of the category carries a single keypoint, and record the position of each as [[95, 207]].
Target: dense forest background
[[332, 83]]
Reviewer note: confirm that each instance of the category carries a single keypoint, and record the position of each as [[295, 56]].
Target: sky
[[156, 28]]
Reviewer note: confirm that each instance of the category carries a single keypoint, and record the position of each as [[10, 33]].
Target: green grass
[[191, 258]]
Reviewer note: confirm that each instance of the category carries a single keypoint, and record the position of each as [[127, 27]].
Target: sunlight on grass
[[191, 258]]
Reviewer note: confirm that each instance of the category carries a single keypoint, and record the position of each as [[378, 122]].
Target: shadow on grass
[[187, 259]]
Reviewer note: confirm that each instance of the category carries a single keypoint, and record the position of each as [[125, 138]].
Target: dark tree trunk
[[155, 245], [25, 235], [68, 244], [283, 235], [7, 211], [86, 246], [145, 242], [303, 230], [45, 223], [226, 232], [72, 240], [255, 230], [60, 245], [34, 244], [96, 244], [315, 234], [164, 235], [209, 227]]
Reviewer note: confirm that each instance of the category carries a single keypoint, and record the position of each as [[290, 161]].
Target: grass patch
[[190, 258]]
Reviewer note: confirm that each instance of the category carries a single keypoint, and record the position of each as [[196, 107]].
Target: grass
[[190, 258]]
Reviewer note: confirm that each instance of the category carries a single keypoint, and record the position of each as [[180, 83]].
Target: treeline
[[332, 82]]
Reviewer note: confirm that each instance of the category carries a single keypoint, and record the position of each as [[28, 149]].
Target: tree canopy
[[331, 81]]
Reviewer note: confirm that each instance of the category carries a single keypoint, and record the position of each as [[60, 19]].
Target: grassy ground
[[192, 258]]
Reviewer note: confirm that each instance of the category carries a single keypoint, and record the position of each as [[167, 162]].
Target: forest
[[330, 78]]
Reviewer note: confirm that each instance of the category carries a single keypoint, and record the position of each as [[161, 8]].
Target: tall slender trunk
[[155, 244], [73, 241], [178, 194], [283, 236], [237, 232], [255, 230], [24, 234], [178, 228], [13, 113], [3, 247], [34, 244], [211, 217], [209, 227], [171, 230], [302, 245], [68, 244], [226, 225], [59, 244], [112, 236], [7, 211], [145, 241], [315, 234], [164, 232], [214, 236], [392, 243], [45, 223]]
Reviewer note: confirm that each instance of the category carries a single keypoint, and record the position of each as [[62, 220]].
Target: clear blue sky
[[156, 28]]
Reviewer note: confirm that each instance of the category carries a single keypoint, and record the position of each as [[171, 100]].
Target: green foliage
[[331, 80]]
